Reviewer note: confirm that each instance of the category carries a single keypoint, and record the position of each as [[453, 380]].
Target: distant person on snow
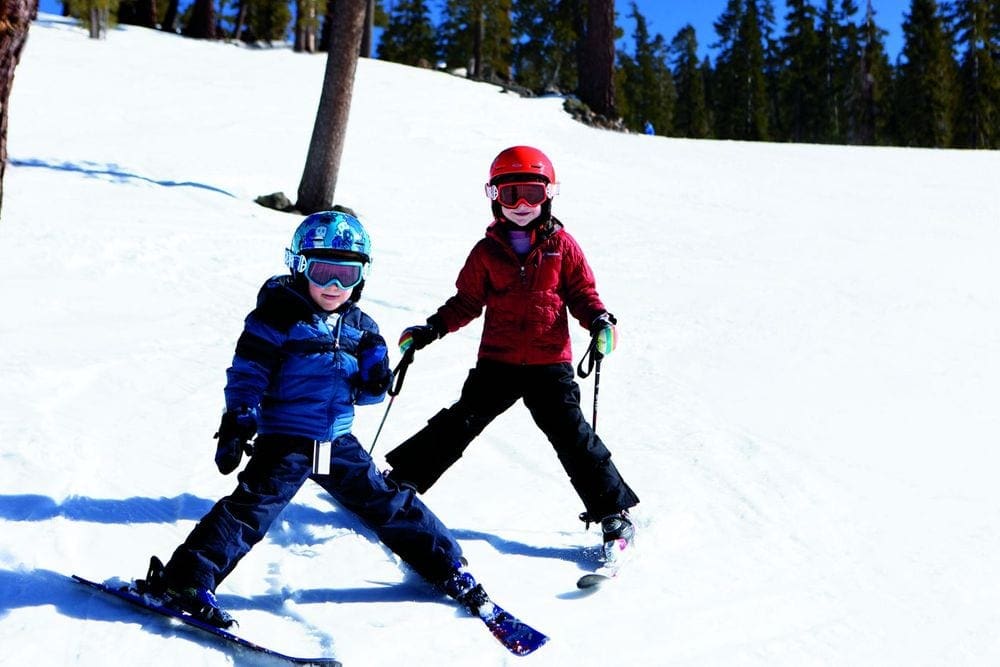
[[306, 357], [648, 128], [527, 273]]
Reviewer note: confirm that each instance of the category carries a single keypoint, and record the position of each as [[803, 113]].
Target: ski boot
[[619, 533], [197, 601], [461, 586], [155, 584], [200, 602]]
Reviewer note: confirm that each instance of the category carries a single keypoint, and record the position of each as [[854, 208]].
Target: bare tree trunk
[[478, 70], [98, 26], [597, 73], [309, 44], [319, 179], [15, 19], [368, 35], [298, 46], [241, 19], [148, 13], [202, 22], [170, 18]]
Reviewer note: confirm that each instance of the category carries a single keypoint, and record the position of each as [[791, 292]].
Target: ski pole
[[395, 386], [597, 389], [593, 359]]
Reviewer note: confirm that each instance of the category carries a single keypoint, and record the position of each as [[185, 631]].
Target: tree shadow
[[115, 172], [293, 526], [582, 557], [33, 507]]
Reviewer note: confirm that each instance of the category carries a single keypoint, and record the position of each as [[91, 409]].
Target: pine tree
[[977, 123], [265, 20], [772, 63], [648, 93], [476, 34], [409, 37], [926, 86], [739, 89], [832, 58], [95, 15], [138, 12], [847, 72], [870, 109], [169, 23], [691, 117], [544, 48], [802, 77]]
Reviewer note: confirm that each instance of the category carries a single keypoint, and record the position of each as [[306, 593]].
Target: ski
[[594, 580], [122, 591], [616, 554], [517, 636]]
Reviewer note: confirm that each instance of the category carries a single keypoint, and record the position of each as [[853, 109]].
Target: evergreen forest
[[818, 74]]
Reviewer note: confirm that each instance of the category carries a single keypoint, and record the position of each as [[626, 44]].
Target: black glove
[[373, 363], [420, 336], [238, 427]]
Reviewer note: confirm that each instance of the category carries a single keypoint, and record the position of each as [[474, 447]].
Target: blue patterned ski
[[517, 636], [122, 592]]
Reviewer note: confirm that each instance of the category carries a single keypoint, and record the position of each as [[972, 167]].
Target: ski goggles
[[511, 195], [326, 272]]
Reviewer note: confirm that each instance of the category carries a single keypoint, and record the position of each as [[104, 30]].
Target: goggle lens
[[325, 272], [511, 194]]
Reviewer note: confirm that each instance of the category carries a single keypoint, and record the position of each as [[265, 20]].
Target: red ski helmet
[[522, 160]]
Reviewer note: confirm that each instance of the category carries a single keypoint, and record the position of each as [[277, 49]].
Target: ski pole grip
[[399, 373]]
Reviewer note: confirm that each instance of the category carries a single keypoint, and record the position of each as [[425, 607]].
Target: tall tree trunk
[[170, 18], [319, 178], [478, 70], [15, 19], [148, 13], [368, 37], [241, 20], [597, 74], [202, 22]]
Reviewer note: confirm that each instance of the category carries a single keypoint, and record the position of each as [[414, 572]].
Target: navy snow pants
[[280, 466], [552, 396]]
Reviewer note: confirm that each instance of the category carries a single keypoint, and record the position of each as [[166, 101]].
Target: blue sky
[[668, 16]]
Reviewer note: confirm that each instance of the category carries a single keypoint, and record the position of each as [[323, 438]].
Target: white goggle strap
[[551, 190], [297, 263]]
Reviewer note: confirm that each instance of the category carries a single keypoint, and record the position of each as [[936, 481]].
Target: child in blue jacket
[[306, 357]]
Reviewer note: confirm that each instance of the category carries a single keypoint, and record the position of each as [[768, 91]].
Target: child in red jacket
[[529, 274]]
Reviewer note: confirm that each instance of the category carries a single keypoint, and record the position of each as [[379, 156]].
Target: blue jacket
[[296, 366]]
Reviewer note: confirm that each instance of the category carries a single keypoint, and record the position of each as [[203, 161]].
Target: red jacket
[[526, 301]]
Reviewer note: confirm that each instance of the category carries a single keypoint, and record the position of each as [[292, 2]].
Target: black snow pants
[[552, 396], [279, 466]]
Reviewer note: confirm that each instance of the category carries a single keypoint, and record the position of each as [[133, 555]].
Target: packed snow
[[806, 396]]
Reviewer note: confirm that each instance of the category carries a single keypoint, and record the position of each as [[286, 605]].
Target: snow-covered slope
[[805, 396]]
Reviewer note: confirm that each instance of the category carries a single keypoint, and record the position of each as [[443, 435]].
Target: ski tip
[[591, 581], [527, 645]]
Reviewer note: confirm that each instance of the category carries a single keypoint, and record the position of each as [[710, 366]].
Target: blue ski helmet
[[336, 234]]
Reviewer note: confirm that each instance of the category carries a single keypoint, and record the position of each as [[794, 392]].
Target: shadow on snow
[[114, 171]]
